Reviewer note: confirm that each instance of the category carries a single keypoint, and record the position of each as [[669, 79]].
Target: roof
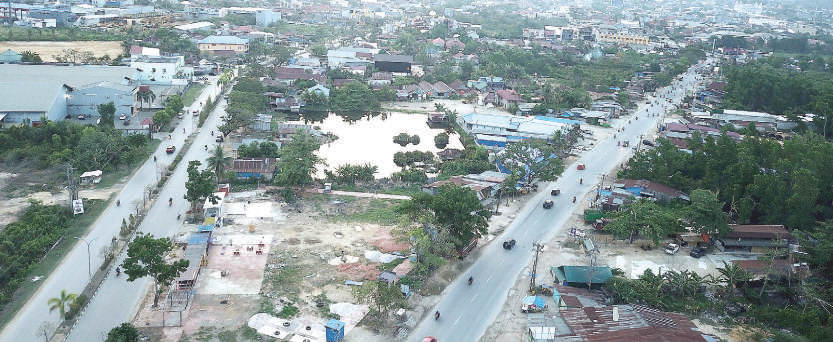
[[224, 40], [10, 56], [393, 58], [648, 187], [254, 165], [750, 231], [28, 96], [580, 274]]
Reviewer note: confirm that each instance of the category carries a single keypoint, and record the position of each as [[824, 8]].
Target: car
[[219, 138], [81, 117], [672, 248], [697, 252], [196, 112], [123, 116], [580, 167], [548, 204], [170, 149], [508, 244], [555, 192]]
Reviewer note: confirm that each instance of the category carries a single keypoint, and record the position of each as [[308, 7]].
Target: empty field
[[48, 50]]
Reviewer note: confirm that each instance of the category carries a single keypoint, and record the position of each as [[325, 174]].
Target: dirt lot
[[48, 50]]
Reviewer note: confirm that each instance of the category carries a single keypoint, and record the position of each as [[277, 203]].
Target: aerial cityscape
[[438, 170]]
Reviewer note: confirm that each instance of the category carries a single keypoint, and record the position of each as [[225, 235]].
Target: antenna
[[71, 187], [538, 248]]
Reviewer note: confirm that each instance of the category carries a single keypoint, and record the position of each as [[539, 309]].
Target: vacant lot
[[48, 50]]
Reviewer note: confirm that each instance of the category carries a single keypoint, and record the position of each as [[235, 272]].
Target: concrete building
[[494, 131], [85, 100], [267, 17], [33, 92], [160, 70], [215, 44]]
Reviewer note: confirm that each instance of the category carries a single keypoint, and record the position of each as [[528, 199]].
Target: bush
[[441, 140]]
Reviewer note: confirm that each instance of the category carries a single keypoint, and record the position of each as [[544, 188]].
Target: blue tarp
[[203, 228], [534, 300], [198, 238]]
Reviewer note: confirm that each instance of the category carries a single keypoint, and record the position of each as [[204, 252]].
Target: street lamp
[[89, 268]]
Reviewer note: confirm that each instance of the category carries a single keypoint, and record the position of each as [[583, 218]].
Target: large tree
[[125, 332], [107, 111], [200, 184], [146, 256], [531, 160], [218, 161], [298, 162], [454, 210], [645, 218], [706, 214]]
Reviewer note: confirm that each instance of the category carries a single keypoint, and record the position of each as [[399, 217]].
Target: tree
[[107, 111], [531, 160], [61, 302], [174, 104], [125, 332], [298, 162], [218, 161], [643, 217], [30, 57], [145, 95], [441, 140], [146, 257], [161, 117], [454, 210], [200, 184], [705, 213], [731, 275], [381, 296]]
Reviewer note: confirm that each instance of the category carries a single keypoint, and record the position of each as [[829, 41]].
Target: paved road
[[466, 311], [72, 273], [117, 301]]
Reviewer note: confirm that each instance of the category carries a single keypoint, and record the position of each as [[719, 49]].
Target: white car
[[672, 248], [122, 117]]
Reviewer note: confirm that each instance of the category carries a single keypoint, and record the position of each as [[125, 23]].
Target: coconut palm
[[731, 275], [218, 161], [61, 302], [145, 95]]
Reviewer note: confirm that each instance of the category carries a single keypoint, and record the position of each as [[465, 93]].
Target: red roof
[[752, 231], [509, 95]]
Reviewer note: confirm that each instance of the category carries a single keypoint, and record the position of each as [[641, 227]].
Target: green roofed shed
[[577, 276], [9, 56]]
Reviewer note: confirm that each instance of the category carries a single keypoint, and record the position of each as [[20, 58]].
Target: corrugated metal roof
[[223, 40]]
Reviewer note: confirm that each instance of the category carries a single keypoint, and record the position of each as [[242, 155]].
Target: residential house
[[679, 134], [440, 89], [320, 89], [283, 102], [381, 78], [485, 185], [585, 315], [581, 276], [459, 87], [506, 97], [340, 82], [450, 154], [713, 93], [756, 239], [261, 122], [454, 43], [263, 168], [287, 76], [613, 108], [642, 188], [215, 44]]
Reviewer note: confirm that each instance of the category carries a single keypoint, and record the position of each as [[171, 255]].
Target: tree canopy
[[454, 210], [531, 160], [200, 184], [146, 256], [298, 162]]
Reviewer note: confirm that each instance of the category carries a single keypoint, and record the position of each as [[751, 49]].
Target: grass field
[[48, 50]]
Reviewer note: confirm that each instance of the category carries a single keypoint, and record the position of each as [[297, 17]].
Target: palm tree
[[145, 95], [731, 275], [218, 161], [62, 302]]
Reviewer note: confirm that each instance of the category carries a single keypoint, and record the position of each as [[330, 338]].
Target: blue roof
[[205, 228], [223, 40], [558, 120], [198, 238]]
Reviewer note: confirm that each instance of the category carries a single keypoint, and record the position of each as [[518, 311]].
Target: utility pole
[[538, 248], [72, 189]]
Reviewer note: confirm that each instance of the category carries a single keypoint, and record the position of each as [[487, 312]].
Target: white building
[[267, 17], [160, 70]]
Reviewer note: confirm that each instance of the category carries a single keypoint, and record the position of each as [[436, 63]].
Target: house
[[319, 89], [580, 276], [642, 188], [584, 315], [485, 185], [450, 154], [340, 82], [400, 64], [756, 239], [160, 70], [350, 56], [507, 97], [223, 43], [254, 167], [440, 89], [454, 43], [437, 120], [381, 78], [288, 75]]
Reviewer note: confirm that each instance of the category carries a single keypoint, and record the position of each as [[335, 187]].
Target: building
[[160, 70], [85, 100], [641, 188], [216, 44], [757, 239], [397, 64], [34, 92], [350, 56], [9, 56], [263, 168], [494, 131]]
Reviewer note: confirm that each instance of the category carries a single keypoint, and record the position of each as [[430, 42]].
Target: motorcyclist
[[118, 203], [170, 201], [206, 147], [471, 279], [574, 199], [437, 315], [581, 180], [118, 271]]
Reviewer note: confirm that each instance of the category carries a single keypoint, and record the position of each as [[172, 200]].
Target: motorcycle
[[436, 315], [471, 279], [170, 201], [118, 203], [581, 180], [118, 271], [206, 147], [574, 199]]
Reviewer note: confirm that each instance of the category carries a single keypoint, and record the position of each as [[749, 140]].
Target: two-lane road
[[466, 311]]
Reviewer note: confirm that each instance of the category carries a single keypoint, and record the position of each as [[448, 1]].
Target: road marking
[[473, 298], [458, 320]]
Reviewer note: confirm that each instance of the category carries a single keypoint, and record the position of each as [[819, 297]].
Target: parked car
[[219, 138], [123, 116], [547, 204], [697, 252], [170, 149], [672, 248]]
